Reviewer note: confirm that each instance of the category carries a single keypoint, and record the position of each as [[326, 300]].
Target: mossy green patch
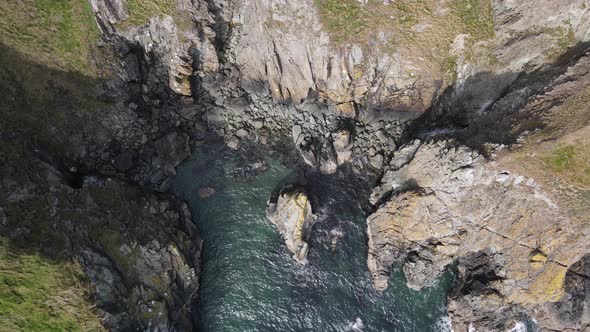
[[449, 67], [38, 294], [563, 38], [111, 240], [343, 18], [476, 16], [140, 11], [573, 161], [56, 33], [562, 158], [567, 39]]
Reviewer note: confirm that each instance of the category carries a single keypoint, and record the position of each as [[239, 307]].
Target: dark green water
[[250, 282]]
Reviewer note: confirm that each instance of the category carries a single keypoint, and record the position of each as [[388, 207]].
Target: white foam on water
[[356, 326], [443, 325], [519, 327]]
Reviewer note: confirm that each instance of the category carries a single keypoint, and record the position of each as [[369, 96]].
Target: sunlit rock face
[[448, 203], [293, 216]]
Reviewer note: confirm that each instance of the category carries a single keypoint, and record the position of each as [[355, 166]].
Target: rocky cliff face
[[449, 204], [418, 94]]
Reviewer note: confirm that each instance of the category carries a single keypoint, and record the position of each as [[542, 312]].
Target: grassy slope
[[37, 294], [56, 33], [559, 156], [46, 76], [348, 22], [140, 11]]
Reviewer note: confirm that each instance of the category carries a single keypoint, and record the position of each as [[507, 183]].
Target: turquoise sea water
[[249, 280]]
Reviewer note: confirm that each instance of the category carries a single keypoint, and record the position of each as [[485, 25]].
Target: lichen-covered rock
[[453, 203], [293, 216], [570, 312], [108, 13]]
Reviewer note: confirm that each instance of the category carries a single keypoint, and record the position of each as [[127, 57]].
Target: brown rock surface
[[453, 203], [293, 216]]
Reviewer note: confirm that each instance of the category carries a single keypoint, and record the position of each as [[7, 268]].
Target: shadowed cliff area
[[40, 287], [58, 220], [475, 112]]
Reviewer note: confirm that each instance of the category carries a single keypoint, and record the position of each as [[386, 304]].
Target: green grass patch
[[414, 28], [563, 158], [40, 105], [571, 161], [38, 294], [140, 11], [476, 16], [56, 33], [407, 13], [349, 21], [344, 19], [449, 67]]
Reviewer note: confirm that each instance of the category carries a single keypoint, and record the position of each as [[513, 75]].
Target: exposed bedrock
[[258, 69], [141, 251], [271, 72], [292, 214], [448, 203], [268, 72], [265, 71]]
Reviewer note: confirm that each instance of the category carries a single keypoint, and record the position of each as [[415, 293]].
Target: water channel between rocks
[[249, 281]]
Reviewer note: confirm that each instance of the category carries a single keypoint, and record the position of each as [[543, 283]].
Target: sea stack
[[292, 214]]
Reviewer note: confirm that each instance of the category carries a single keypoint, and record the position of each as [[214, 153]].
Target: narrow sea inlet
[[250, 281]]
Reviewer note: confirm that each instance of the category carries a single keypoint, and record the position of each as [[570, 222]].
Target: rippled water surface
[[250, 282]]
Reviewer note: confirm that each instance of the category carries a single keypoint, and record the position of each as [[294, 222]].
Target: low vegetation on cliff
[[56, 33], [140, 11], [38, 294], [559, 155], [419, 27], [46, 64]]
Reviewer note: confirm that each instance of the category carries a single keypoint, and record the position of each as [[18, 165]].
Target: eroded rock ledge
[[513, 245]]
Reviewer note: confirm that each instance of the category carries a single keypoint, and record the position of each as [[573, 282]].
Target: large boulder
[[293, 216], [342, 141]]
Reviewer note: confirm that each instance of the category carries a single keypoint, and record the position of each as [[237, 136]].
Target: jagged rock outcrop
[[266, 70], [283, 49], [108, 13], [141, 252], [271, 70], [324, 152], [252, 60], [145, 271], [448, 202], [475, 297], [292, 214], [570, 313]]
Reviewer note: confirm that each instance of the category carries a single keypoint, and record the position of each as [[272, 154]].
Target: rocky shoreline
[[211, 70]]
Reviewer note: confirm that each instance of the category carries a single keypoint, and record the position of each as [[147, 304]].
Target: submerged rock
[[293, 216], [206, 192]]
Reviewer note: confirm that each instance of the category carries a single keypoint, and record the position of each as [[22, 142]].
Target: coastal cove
[[249, 282], [307, 165]]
